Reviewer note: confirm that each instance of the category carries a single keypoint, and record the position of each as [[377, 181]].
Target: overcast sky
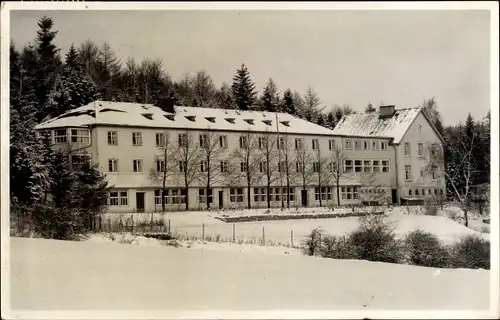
[[351, 57]]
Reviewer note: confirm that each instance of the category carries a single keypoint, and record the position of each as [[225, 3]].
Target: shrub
[[471, 252], [57, 223], [374, 240], [312, 242], [430, 209], [335, 248], [425, 249]]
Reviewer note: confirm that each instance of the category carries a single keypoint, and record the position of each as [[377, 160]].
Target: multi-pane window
[[420, 149], [136, 138], [113, 198], [123, 198], [410, 193], [407, 149], [316, 167], [348, 144], [298, 143], [349, 193], [357, 144], [367, 165], [182, 139], [224, 166], [259, 194], [137, 165], [408, 175], [281, 143], [182, 166], [260, 142], [243, 142], [366, 145], [291, 194], [160, 140], [315, 144], [331, 144], [60, 136], [203, 140], [160, 165], [348, 166], [332, 167], [375, 145], [80, 136], [243, 167], [178, 196], [376, 165], [203, 166], [202, 196], [282, 166], [113, 165], [166, 197], [416, 192], [277, 194], [383, 145], [78, 160], [262, 167], [113, 138], [236, 195], [298, 166], [324, 192], [385, 166], [434, 173], [434, 149], [358, 167], [422, 172], [223, 142]]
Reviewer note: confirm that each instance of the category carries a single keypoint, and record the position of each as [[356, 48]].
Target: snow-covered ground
[[60, 275]]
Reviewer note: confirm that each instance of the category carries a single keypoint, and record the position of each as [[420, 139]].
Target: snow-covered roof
[[371, 125], [147, 115]]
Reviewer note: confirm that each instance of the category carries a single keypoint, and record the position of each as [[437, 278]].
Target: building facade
[[209, 157]]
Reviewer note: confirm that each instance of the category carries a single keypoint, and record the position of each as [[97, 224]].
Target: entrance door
[[221, 199], [139, 201], [394, 196], [303, 194]]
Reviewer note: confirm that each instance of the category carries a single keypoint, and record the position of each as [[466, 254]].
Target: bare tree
[[320, 169], [203, 90], [249, 160], [372, 192], [336, 169], [268, 167], [288, 163], [164, 165], [188, 160], [303, 166], [210, 166]]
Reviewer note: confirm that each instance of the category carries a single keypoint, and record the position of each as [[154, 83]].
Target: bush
[[335, 248], [375, 240], [57, 223], [312, 242], [471, 252], [425, 249], [430, 209]]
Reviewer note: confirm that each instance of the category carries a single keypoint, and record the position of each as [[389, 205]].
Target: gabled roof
[[147, 115], [370, 125]]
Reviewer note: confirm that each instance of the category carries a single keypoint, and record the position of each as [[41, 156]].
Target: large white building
[[142, 147]]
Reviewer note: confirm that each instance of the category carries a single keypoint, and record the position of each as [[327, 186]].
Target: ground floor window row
[[425, 192]]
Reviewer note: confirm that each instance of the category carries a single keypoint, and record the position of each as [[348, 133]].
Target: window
[[434, 173], [223, 142], [259, 195], [422, 172], [113, 165], [160, 140], [137, 165], [366, 145], [260, 141], [277, 194], [136, 139], [271, 195], [407, 149], [315, 144], [224, 166], [182, 166], [348, 145], [282, 166], [350, 193], [298, 143], [262, 166], [358, 166], [316, 167], [385, 166], [331, 144], [46, 134], [419, 128], [78, 160], [113, 138], [383, 145], [375, 145], [291, 194], [203, 140], [367, 167], [236, 195], [123, 198], [113, 198], [182, 140], [408, 175], [80, 136], [420, 150], [441, 192], [60, 136], [332, 167], [201, 195], [357, 144], [429, 192], [416, 192], [298, 166], [243, 142], [435, 192], [203, 166], [325, 194], [423, 192], [243, 167], [160, 165], [434, 149], [348, 166], [158, 197], [178, 196], [281, 143], [376, 165], [410, 193]]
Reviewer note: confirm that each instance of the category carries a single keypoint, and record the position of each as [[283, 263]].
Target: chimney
[[386, 111], [166, 104]]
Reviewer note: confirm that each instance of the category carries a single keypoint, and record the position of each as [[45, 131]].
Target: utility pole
[[279, 159]]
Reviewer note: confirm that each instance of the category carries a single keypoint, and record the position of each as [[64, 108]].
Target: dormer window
[[285, 123], [191, 118], [211, 119], [230, 120], [268, 122], [170, 117], [147, 115], [249, 121]]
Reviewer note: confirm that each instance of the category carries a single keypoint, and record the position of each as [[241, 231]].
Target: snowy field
[[60, 275]]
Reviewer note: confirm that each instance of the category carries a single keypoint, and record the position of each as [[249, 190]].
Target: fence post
[[291, 238], [202, 232], [263, 236], [168, 226], [234, 232], [132, 218]]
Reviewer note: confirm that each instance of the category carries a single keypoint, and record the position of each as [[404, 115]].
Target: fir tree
[[224, 98], [288, 103], [330, 119], [243, 89], [72, 62], [369, 108], [320, 120], [270, 98]]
